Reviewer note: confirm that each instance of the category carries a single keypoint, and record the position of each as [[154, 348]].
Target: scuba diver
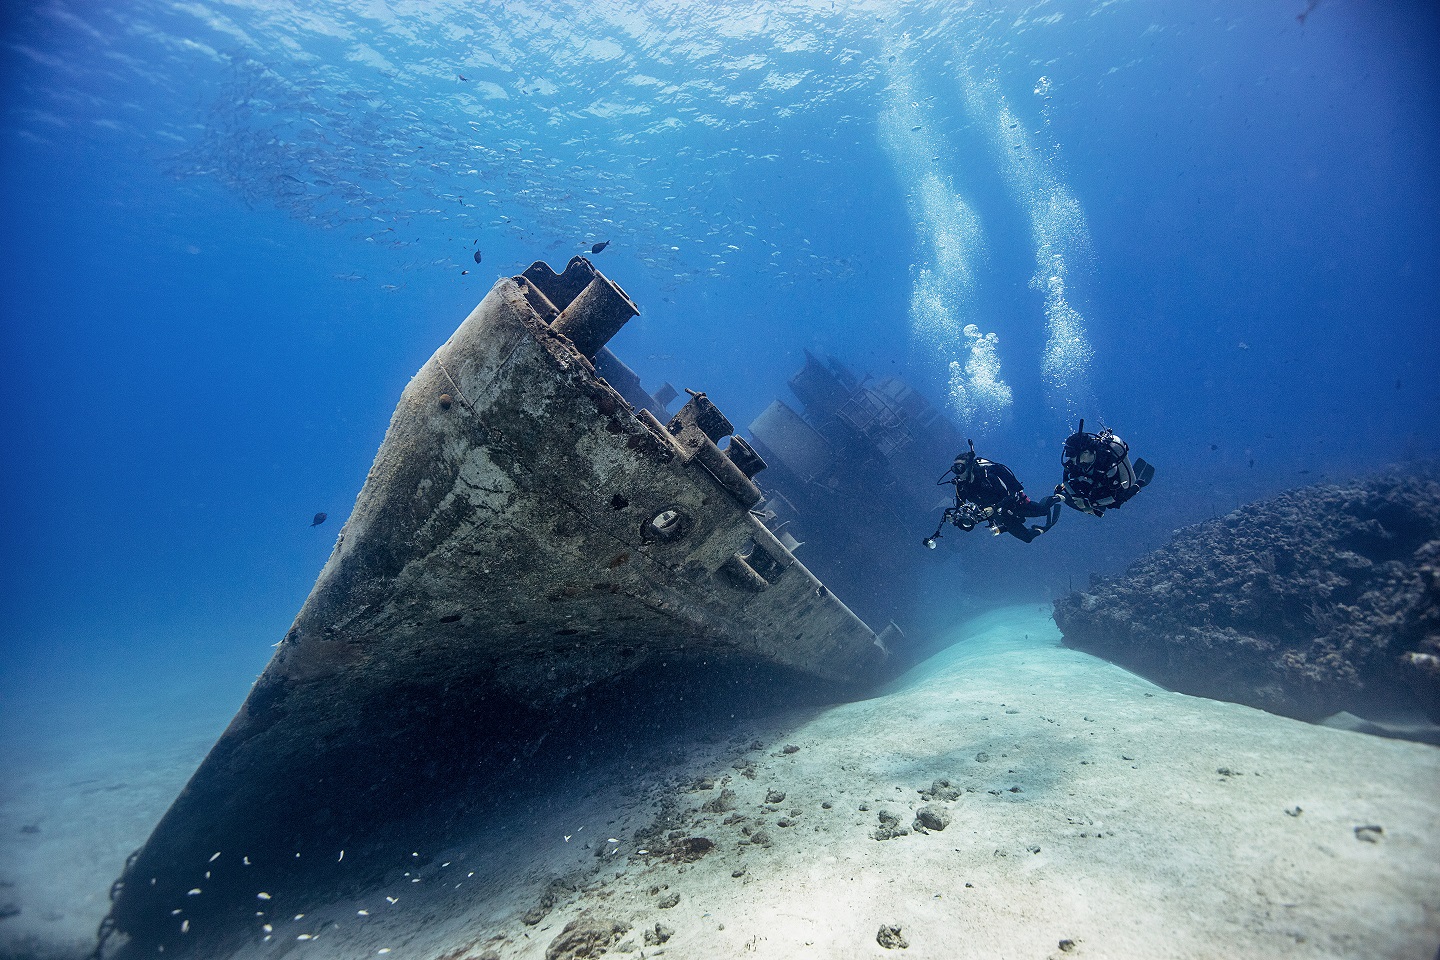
[[1096, 472], [987, 492]]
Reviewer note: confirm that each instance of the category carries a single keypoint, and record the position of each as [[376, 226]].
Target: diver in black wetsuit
[[987, 492], [1097, 474]]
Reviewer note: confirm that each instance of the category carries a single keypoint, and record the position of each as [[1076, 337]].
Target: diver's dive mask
[[964, 466]]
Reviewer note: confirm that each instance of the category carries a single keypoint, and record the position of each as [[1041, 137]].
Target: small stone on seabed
[[890, 937], [932, 817]]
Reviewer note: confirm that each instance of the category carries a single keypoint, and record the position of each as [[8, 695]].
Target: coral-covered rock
[[585, 937], [1322, 599]]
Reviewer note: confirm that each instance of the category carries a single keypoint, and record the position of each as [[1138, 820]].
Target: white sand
[[82, 783], [1123, 837]]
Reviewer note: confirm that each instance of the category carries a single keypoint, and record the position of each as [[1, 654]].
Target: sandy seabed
[[1087, 813]]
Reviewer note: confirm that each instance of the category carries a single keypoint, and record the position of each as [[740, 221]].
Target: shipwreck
[[530, 529], [852, 481]]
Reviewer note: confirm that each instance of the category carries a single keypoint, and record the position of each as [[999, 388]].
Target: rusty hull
[[523, 534]]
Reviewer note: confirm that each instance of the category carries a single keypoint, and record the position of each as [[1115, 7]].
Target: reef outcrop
[[1320, 600]]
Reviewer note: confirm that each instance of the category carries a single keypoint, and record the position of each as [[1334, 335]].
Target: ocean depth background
[[237, 228]]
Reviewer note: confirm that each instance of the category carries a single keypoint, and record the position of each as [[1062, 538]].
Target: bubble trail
[[1058, 231], [942, 295]]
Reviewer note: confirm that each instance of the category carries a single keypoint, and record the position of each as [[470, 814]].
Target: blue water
[[237, 229]]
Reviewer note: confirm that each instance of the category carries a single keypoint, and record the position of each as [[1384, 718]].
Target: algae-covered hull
[[524, 534]]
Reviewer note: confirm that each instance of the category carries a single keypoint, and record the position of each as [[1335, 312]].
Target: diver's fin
[[1144, 472]]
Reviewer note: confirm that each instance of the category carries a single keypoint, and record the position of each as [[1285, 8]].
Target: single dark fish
[[600, 246], [477, 256], [319, 519]]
